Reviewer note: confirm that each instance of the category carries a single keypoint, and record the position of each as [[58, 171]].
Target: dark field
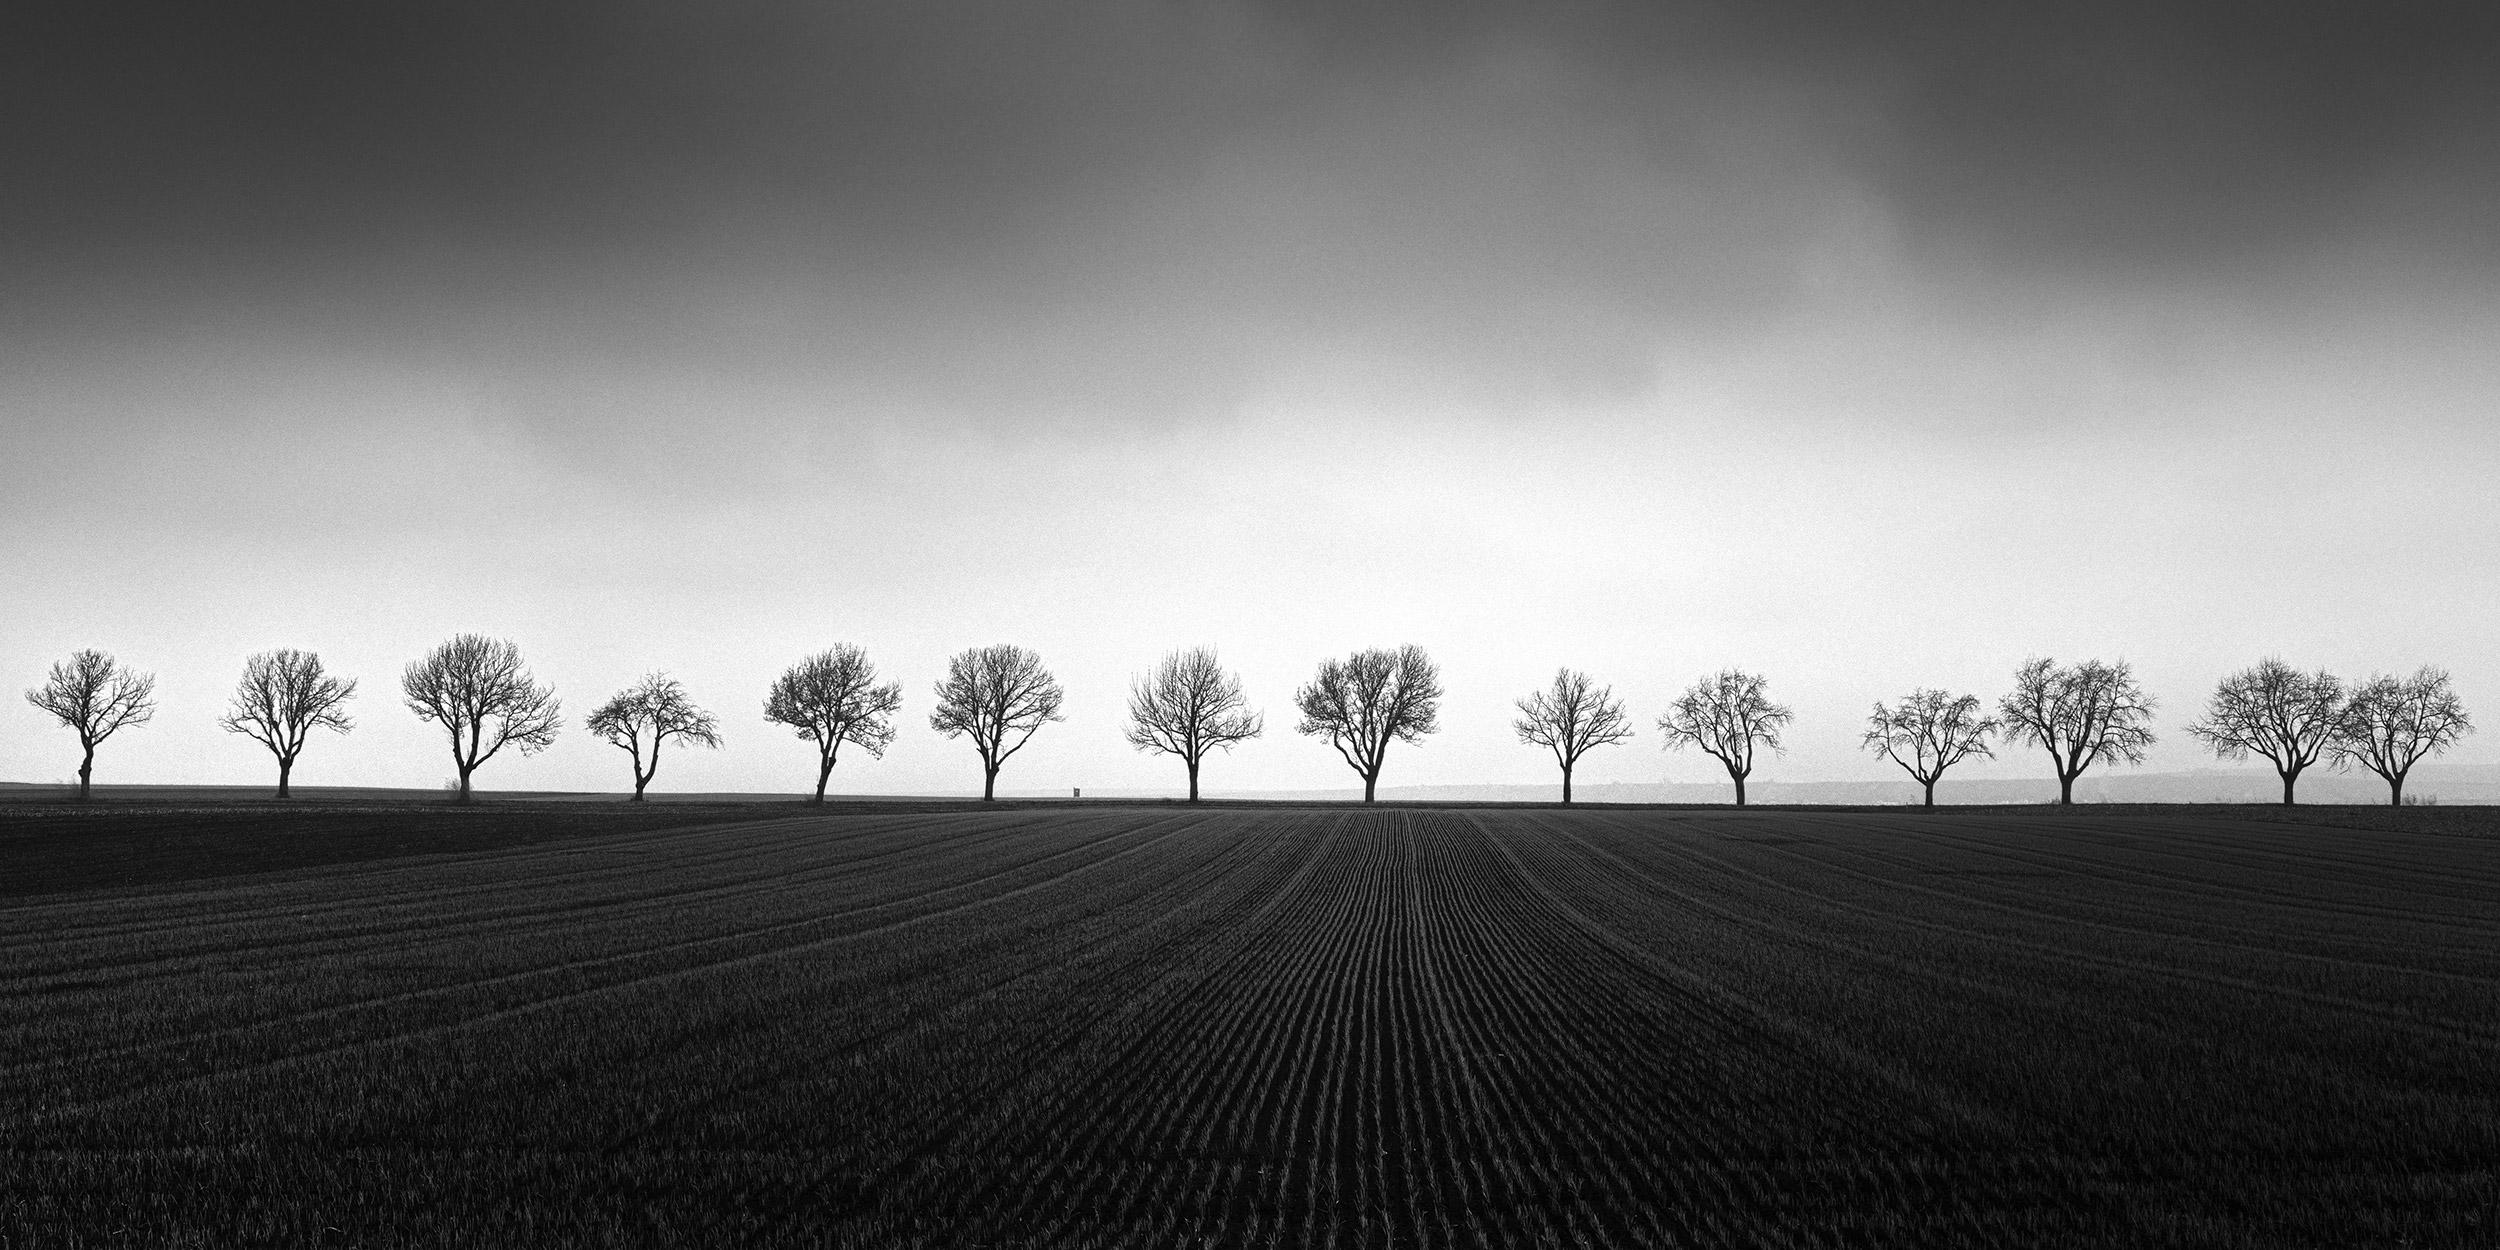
[[1144, 1025]]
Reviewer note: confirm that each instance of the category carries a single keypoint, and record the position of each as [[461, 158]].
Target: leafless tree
[[2390, 725], [1187, 706], [2081, 715], [832, 697], [2277, 711], [1368, 699], [1570, 717], [95, 698], [998, 696], [658, 709], [474, 686], [1929, 732], [283, 697], [1727, 715]]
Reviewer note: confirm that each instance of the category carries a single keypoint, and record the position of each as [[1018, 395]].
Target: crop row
[[1279, 1027]]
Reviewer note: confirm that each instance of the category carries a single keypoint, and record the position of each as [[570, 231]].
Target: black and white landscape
[[1145, 624]]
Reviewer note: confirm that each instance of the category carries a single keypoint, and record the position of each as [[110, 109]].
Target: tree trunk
[[464, 785], [1931, 791], [824, 773], [1739, 779], [1369, 781], [1193, 781], [2396, 790], [2288, 779], [86, 770], [285, 766], [989, 783], [1566, 785], [2065, 788]]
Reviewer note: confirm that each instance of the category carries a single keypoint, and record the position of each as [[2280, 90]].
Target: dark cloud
[[560, 123], [2197, 135], [1144, 208], [920, 125]]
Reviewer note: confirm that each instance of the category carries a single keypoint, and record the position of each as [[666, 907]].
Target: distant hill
[[2448, 783]]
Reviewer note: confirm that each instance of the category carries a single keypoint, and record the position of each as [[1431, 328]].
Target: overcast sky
[[1866, 352]]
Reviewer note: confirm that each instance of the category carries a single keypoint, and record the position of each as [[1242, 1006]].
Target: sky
[[1867, 350]]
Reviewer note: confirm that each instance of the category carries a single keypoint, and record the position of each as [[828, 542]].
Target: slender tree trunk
[[1930, 783], [2396, 790], [1193, 781], [2288, 779], [1739, 779], [86, 771], [989, 783], [824, 773], [285, 767], [1566, 785], [464, 783], [1370, 780], [2065, 788]]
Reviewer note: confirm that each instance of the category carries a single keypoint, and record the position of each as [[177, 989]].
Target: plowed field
[[1145, 1025]]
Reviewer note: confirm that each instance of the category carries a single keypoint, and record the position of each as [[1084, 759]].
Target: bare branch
[[476, 688], [831, 698], [659, 709], [1727, 715], [1931, 731], [2388, 725], [1570, 717], [283, 696], [2274, 710], [1188, 705], [1370, 698], [2081, 715], [95, 698], [999, 696]]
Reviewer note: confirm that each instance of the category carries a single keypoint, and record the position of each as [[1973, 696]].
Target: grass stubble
[[1144, 1024]]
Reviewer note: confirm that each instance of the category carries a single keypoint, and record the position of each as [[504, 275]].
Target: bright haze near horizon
[[1863, 350]]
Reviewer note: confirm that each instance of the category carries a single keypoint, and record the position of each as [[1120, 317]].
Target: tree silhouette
[[1187, 706], [658, 709], [95, 698], [2081, 715], [1568, 718], [285, 695], [2277, 711], [832, 697], [1727, 715], [1929, 732], [2388, 725], [1369, 699], [998, 696], [475, 687]]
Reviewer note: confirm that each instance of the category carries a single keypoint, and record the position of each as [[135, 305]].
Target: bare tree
[[474, 686], [998, 696], [1368, 699], [1187, 706], [658, 709], [2081, 715], [283, 697], [2277, 711], [1727, 715], [1570, 717], [832, 697], [2389, 726], [95, 698], [1931, 731]]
